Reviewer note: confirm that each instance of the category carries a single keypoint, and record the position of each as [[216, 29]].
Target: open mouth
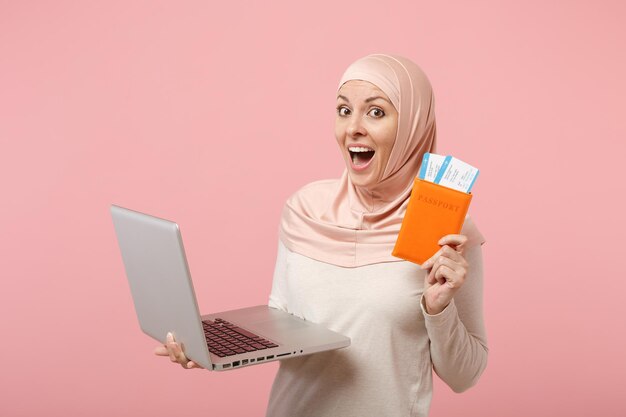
[[361, 156]]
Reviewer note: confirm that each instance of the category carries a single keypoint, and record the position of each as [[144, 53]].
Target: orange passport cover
[[433, 212]]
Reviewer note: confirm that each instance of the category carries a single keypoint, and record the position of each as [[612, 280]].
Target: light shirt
[[387, 369]]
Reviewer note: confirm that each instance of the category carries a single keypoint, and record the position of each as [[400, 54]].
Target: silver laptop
[[161, 287]]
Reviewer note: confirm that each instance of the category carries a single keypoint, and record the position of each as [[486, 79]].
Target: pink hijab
[[336, 222]]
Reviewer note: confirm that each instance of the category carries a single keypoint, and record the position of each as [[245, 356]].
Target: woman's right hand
[[172, 349]]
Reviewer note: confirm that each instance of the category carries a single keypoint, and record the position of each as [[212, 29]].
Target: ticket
[[456, 174], [431, 163]]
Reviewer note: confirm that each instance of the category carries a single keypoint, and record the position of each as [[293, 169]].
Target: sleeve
[[277, 298], [458, 340]]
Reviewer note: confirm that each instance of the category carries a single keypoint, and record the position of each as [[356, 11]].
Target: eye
[[343, 111], [376, 112]]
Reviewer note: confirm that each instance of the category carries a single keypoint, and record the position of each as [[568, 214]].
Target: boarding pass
[[448, 171]]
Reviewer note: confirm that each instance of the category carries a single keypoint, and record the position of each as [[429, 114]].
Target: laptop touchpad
[[279, 325]]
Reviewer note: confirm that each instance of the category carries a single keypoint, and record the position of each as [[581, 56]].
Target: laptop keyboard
[[226, 339]]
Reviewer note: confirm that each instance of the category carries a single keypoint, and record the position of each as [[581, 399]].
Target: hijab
[[337, 222]]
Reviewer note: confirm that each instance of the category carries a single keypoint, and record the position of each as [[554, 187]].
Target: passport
[[436, 208]]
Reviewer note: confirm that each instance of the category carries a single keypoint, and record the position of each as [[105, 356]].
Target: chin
[[360, 180]]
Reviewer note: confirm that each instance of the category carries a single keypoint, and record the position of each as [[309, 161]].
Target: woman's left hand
[[447, 273]]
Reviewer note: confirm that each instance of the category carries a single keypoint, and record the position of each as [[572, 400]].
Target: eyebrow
[[374, 98], [367, 100]]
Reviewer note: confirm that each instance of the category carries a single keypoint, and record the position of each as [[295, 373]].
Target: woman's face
[[365, 129]]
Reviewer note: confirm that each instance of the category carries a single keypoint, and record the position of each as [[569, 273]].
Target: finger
[[192, 364], [433, 277], [161, 351], [178, 354], [456, 240], [170, 345], [452, 254], [170, 352], [430, 261], [450, 263], [430, 279], [452, 278]]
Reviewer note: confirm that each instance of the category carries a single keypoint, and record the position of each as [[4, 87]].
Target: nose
[[356, 128]]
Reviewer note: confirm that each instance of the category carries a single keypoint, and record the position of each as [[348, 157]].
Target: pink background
[[212, 115]]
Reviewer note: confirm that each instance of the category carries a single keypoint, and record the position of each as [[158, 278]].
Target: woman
[[334, 265]]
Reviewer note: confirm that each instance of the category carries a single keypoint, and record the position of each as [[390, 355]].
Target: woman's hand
[[175, 352], [447, 273]]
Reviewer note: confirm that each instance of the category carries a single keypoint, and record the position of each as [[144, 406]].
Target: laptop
[[162, 291]]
